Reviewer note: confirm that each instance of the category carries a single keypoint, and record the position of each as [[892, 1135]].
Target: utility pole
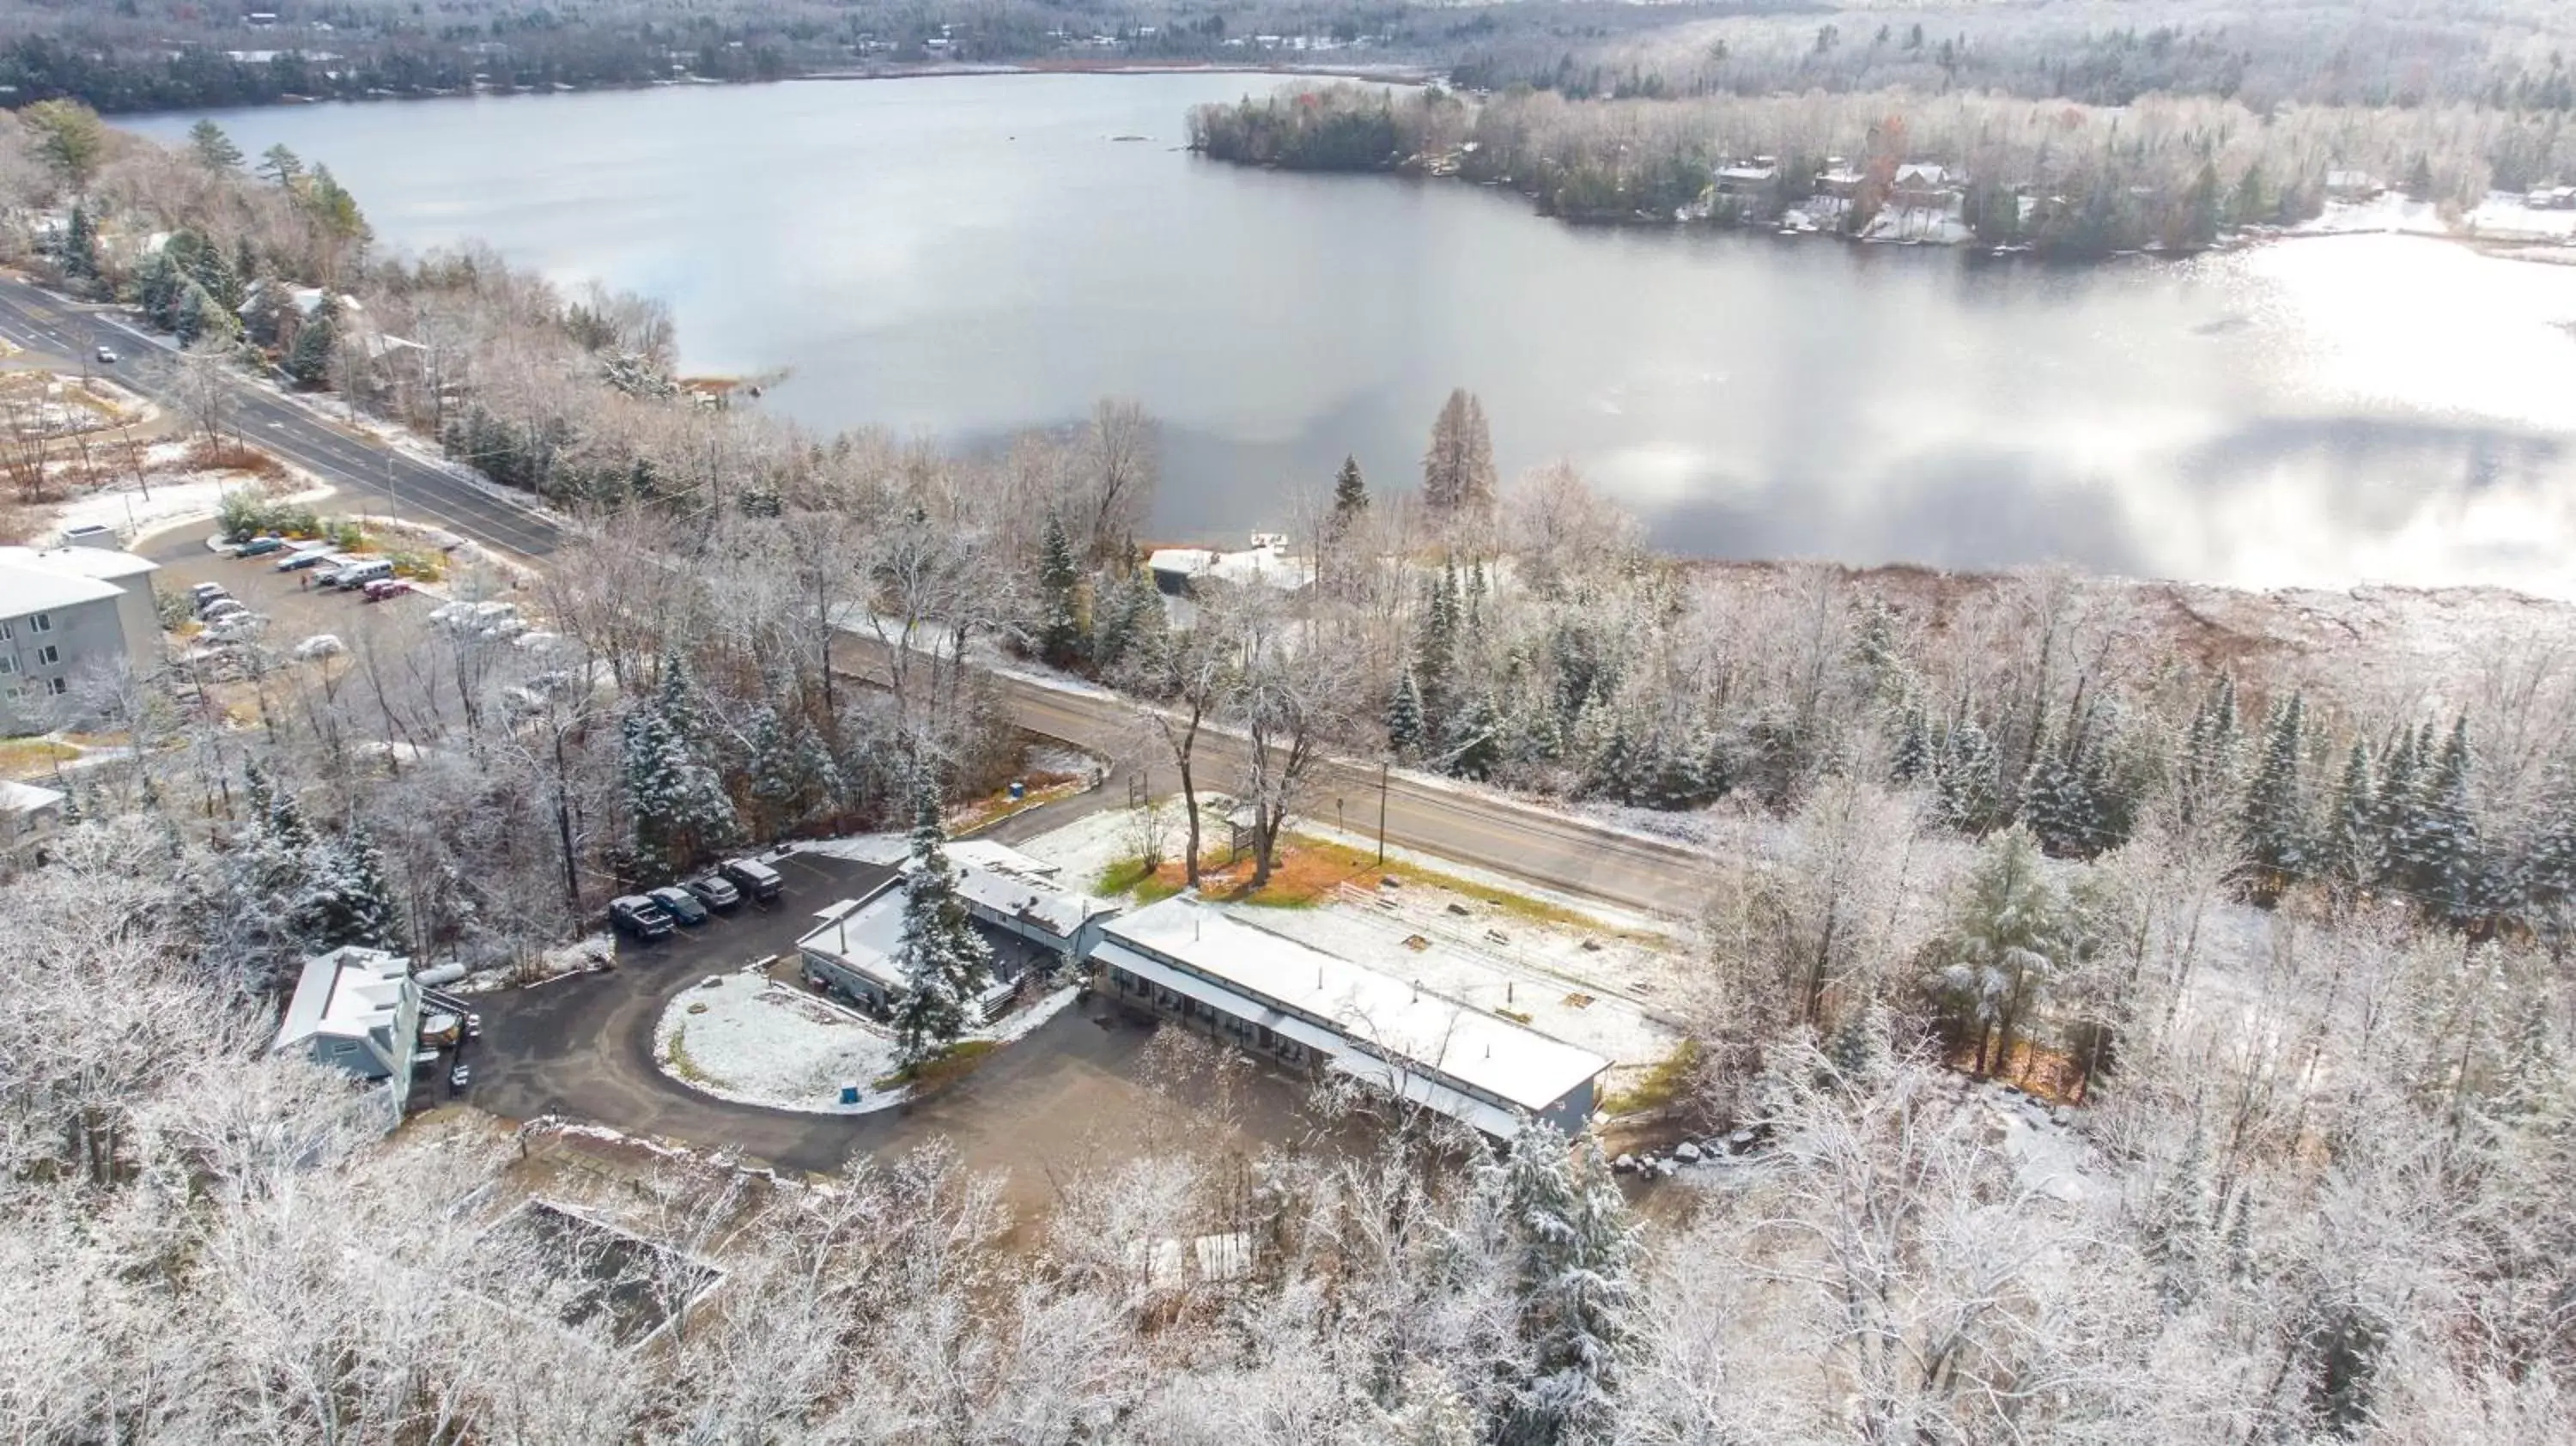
[[1381, 812]]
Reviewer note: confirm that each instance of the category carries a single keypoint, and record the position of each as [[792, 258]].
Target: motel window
[[48, 655], [8, 664], [40, 622], [57, 686]]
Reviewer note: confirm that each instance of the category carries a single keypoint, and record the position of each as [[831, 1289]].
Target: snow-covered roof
[[865, 936], [1014, 894], [26, 798], [1383, 1029], [347, 993], [26, 590], [105, 564], [1268, 566]]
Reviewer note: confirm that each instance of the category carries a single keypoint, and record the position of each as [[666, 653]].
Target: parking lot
[[1070, 1093]]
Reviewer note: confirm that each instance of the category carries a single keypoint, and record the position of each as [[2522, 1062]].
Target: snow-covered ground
[[582, 956], [747, 1038], [2390, 212], [2506, 218], [172, 503]]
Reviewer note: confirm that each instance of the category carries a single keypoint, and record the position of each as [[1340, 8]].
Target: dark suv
[[680, 904], [639, 917], [753, 877]]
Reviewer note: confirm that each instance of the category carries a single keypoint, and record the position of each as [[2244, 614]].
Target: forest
[[2280, 932], [2169, 172]]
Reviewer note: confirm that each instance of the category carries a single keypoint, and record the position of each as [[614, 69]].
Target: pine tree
[[211, 148], [2209, 752], [1913, 758], [2349, 853], [1676, 782], [1059, 595], [1475, 738], [2549, 864], [2178, 1225], [1577, 1248], [348, 901], [2450, 858], [1404, 718], [946, 965], [2401, 808], [1971, 782], [80, 246], [1618, 767], [309, 360], [676, 803], [156, 289], [1350, 498], [2272, 825], [1132, 625], [1436, 651], [2058, 803], [1859, 1049]]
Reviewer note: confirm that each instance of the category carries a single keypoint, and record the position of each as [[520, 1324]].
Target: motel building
[[1318, 1013]]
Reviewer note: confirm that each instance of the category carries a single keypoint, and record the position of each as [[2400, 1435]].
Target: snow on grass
[[2390, 212], [131, 515], [746, 1038], [1083, 851], [887, 850]]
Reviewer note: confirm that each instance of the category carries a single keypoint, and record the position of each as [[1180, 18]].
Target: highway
[[408, 486], [1478, 829]]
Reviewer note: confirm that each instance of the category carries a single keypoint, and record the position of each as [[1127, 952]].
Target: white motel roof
[[1376, 1018], [103, 563]]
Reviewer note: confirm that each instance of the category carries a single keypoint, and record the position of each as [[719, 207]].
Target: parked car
[[107, 356], [310, 555], [680, 904], [237, 628], [261, 546], [359, 574], [385, 587], [205, 593], [223, 608], [639, 917], [754, 878], [715, 892]]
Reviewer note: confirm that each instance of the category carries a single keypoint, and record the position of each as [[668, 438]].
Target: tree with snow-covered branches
[[676, 804], [2348, 847], [2007, 942], [1404, 724], [347, 899], [1059, 597], [946, 965], [2272, 823], [1969, 780], [1577, 1249]]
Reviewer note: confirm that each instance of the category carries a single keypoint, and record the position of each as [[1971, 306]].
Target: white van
[[359, 574]]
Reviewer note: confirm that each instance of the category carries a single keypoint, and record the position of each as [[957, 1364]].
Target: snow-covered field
[[172, 503], [747, 1038], [583, 955], [2390, 212]]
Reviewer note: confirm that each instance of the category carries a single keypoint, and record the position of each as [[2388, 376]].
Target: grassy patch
[[1662, 1085], [1519, 906], [952, 1064], [678, 1054], [28, 757]]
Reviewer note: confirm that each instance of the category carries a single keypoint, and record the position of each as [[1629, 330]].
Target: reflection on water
[[964, 257]]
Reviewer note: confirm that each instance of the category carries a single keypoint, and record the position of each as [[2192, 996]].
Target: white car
[[320, 645], [107, 356]]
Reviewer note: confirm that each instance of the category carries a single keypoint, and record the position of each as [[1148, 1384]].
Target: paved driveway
[[1067, 1095]]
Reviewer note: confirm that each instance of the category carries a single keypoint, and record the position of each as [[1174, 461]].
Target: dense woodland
[[2169, 172], [2292, 931]]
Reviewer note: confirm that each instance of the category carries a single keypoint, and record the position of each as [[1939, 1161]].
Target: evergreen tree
[[80, 246], [1475, 738], [1059, 594], [791, 771], [1676, 780], [1131, 623], [2450, 859], [2058, 803], [2272, 826], [2209, 751], [2549, 864], [2349, 853], [1618, 767], [946, 965], [157, 284], [1436, 650], [211, 148], [2178, 1227], [347, 900], [1914, 751], [1577, 1249], [1350, 497], [1970, 781], [1404, 718], [675, 801], [282, 166], [2401, 808], [1859, 1048], [309, 360]]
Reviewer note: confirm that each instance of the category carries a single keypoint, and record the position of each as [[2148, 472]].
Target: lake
[[964, 257]]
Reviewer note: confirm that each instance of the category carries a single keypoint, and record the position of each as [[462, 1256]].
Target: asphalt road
[[1551, 850], [408, 486]]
